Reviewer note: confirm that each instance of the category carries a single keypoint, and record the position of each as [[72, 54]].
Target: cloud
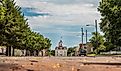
[[68, 1], [60, 17], [73, 12], [47, 13], [62, 14]]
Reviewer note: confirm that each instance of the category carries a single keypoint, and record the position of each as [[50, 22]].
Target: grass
[[103, 54], [91, 54]]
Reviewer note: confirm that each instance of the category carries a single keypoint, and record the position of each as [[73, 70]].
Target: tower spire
[[61, 42], [61, 37]]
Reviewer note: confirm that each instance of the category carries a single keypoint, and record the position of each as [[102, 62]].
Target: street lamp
[[95, 30]]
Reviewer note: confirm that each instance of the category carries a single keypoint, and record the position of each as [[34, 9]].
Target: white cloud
[[60, 14]]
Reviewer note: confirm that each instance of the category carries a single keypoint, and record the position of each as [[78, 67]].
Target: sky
[[61, 18]]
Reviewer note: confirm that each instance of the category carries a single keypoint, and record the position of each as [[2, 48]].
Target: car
[[82, 52]]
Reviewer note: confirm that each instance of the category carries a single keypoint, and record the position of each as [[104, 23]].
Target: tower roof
[[60, 45]]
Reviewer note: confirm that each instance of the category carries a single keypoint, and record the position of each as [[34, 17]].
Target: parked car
[[83, 52]]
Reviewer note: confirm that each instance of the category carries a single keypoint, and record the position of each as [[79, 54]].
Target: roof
[[60, 48]]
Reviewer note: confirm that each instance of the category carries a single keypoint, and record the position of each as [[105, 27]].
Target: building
[[2, 50], [60, 50], [79, 47], [77, 51], [88, 47], [18, 52]]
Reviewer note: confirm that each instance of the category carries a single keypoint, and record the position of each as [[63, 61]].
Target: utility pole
[[86, 36], [82, 36], [96, 33]]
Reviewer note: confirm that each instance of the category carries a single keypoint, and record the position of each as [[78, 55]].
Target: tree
[[111, 21], [15, 32], [13, 24], [99, 40], [71, 51], [2, 16], [36, 42], [53, 52]]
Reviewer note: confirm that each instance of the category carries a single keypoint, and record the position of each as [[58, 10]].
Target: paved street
[[60, 64]]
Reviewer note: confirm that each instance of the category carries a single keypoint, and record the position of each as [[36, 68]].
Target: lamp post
[[95, 30]]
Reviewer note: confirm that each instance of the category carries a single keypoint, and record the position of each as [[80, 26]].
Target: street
[[60, 63]]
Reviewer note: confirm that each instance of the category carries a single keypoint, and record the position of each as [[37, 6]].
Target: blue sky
[[56, 18]]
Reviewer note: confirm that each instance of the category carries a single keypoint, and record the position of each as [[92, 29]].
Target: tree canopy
[[111, 20], [99, 40], [71, 51], [15, 31]]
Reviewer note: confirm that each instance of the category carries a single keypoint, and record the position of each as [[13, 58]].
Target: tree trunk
[[42, 52], [37, 52], [6, 51], [9, 51], [31, 53], [13, 51], [26, 53]]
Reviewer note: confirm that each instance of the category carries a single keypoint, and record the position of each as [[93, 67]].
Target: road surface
[[60, 63]]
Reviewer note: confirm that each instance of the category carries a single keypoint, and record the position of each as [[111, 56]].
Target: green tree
[[97, 41], [71, 51], [13, 24], [2, 16], [15, 32], [53, 52], [36, 42], [111, 21]]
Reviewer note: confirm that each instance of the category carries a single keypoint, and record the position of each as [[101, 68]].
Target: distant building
[[80, 46], [2, 49], [19, 52], [60, 50], [77, 51], [88, 47]]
